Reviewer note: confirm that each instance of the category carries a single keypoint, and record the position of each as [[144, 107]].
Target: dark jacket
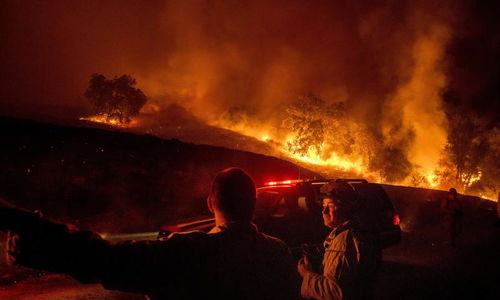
[[234, 262]]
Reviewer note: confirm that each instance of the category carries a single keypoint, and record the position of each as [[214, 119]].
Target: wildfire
[[108, 120], [432, 179], [333, 160], [327, 157], [489, 196], [317, 157], [475, 178]]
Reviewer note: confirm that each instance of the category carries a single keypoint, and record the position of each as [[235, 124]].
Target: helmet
[[343, 195]]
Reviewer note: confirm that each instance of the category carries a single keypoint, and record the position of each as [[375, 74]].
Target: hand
[[304, 266]]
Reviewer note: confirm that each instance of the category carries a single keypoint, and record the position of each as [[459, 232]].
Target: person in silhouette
[[232, 261], [451, 209]]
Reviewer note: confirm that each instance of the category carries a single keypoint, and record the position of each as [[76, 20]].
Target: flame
[[475, 178], [318, 157], [333, 160], [112, 121], [432, 179], [489, 196]]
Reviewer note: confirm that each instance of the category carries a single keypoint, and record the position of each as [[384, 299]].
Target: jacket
[[350, 264]]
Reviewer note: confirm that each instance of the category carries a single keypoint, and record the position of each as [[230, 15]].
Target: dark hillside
[[115, 181]]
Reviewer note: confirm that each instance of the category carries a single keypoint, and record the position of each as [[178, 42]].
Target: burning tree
[[318, 126], [305, 121], [417, 179], [324, 133], [117, 100]]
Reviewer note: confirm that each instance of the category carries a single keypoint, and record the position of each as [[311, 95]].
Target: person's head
[[339, 203], [452, 193], [233, 195], [330, 212]]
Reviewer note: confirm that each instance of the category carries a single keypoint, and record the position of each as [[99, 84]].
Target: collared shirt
[[242, 227]]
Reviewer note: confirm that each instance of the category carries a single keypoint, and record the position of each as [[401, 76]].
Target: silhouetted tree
[[391, 162], [417, 179], [489, 184], [467, 146], [117, 98]]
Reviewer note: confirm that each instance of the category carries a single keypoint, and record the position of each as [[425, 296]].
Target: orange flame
[[105, 119]]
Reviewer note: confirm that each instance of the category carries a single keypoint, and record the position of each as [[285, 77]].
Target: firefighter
[[351, 257], [451, 209], [233, 261]]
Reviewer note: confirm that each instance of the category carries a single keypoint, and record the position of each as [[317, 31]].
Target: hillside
[[117, 181]]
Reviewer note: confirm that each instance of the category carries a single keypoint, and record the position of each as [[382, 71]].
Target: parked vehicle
[[291, 210]]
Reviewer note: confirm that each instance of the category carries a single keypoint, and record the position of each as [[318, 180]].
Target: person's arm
[[136, 267], [318, 286], [341, 266], [60, 248], [38, 243]]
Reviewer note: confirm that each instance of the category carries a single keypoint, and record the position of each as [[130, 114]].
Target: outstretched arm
[[136, 267]]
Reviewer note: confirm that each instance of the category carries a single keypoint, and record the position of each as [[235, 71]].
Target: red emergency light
[[282, 182], [396, 221]]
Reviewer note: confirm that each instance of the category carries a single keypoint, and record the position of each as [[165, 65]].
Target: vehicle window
[[288, 201], [281, 209], [302, 203], [266, 201]]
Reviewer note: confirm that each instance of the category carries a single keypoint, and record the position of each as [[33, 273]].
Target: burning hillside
[[323, 138]]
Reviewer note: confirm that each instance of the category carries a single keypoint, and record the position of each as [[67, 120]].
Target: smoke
[[388, 61], [415, 111]]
